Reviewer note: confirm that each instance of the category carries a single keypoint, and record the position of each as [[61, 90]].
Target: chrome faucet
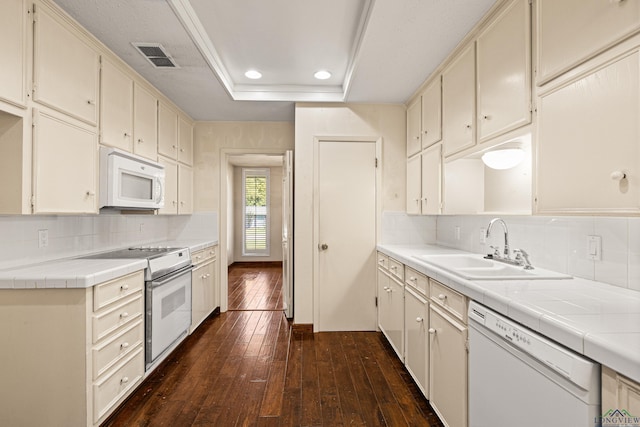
[[521, 256], [506, 235]]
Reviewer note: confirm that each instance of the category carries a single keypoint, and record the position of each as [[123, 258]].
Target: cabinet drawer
[[117, 384], [383, 261], [416, 280], [449, 299], [109, 292], [107, 321], [396, 269], [109, 353], [204, 255]]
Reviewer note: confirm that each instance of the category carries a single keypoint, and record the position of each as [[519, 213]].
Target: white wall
[[342, 120], [275, 217], [71, 236]]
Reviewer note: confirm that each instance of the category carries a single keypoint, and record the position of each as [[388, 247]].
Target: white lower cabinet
[[448, 358], [416, 322], [84, 347], [204, 286], [619, 392], [391, 310]]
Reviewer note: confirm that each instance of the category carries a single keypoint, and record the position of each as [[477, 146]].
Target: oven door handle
[[182, 271]]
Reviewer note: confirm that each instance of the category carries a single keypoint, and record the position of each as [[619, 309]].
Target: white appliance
[[130, 181], [520, 378]]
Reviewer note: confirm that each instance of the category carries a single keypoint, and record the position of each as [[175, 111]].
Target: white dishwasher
[[520, 378]]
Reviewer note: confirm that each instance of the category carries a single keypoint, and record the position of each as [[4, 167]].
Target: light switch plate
[[594, 248]]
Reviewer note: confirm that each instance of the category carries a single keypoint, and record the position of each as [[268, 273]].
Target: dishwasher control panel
[[558, 358]]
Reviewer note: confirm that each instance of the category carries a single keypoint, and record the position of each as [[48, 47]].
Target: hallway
[[249, 368], [255, 286]]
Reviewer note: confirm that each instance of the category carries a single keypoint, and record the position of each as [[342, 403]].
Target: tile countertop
[[82, 273], [598, 320]]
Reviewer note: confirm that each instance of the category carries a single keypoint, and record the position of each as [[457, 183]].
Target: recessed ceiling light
[[253, 74], [322, 75]]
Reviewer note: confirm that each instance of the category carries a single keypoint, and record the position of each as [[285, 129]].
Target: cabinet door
[[432, 113], [145, 123], [13, 45], [619, 392], [167, 131], [448, 368], [185, 190], [391, 312], [116, 107], [414, 115], [216, 283], [589, 128], [416, 325], [66, 69], [503, 66], [198, 296], [413, 185], [65, 165], [185, 136], [170, 187], [571, 31], [458, 103], [431, 180]]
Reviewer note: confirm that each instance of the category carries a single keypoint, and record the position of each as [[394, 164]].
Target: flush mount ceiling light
[[505, 158], [253, 74], [322, 75]]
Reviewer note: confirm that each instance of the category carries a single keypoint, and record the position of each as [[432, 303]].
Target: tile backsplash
[[70, 236], [554, 243]]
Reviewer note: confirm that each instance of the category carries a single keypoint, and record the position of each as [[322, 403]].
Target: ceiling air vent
[[156, 55]]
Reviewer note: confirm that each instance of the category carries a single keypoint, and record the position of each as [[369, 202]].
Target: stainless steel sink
[[476, 267]]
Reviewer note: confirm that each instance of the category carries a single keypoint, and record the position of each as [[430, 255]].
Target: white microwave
[[128, 181]]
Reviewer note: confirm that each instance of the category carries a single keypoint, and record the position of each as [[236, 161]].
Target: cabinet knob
[[425, 132], [124, 380], [432, 331], [174, 147], [124, 287], [127, 134], [124, 345], [207, 275], [389, 290], [419, 319], [618, 175], [468, 126], [174, 203], [386, 288], [91, 193], [124, 315], [140, 140], [442, 297], [182, 150], [91, 102], [486, 117]]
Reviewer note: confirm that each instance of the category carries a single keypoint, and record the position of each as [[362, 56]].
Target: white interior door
[[346, 236], [287, 233]]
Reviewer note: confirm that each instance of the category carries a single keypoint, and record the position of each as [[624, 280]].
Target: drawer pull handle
[[124, 287], [124, 380], [413, 279], [432, 331], [442, 297], [386, 288], [124, 345], [419, 319], [124, 315]]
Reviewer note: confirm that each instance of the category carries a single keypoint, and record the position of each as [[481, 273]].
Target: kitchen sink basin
[[476, 267]]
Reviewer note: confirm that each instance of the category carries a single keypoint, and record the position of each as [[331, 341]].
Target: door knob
[[323, 247]]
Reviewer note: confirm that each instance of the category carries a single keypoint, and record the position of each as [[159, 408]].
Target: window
[[255, 238]]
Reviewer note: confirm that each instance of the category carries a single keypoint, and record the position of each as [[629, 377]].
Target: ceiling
[[378, 51]]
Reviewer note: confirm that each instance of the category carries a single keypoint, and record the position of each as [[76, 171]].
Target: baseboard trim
[[303, 328]]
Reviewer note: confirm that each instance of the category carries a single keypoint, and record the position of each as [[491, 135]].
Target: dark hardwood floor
[[255, 286], [249, 368]]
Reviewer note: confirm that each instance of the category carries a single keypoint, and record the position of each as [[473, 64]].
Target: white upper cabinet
[[431, 180], [588, 156], [116, 107], [170, 187], [432, 114], [458, 103], [414, 190], [414, 127], [185, 141], [13, 45], [145, 123], [504, 77], [66, 68], [185, 190], [571, 31], [65, 166], [167, 131]]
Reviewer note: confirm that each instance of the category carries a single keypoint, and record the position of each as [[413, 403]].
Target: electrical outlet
[[43, 238], [141, 227], [483, 236], [456, 233]]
